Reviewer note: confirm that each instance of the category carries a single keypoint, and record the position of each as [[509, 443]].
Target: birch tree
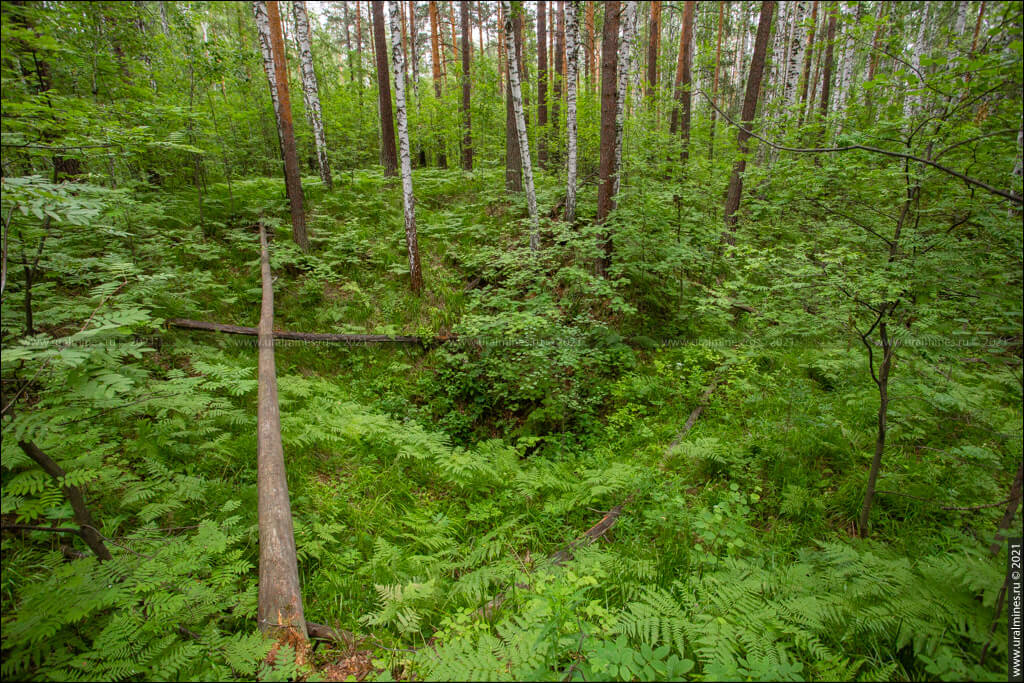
[[408, 199], [625, 46], [310, 93], [524, 143], [572, 43], [796, 54]]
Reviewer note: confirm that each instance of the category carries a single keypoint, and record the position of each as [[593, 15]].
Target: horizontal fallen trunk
[[300, 336], [559, 558]]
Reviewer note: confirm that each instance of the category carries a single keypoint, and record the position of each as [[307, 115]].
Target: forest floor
[[426, 481]]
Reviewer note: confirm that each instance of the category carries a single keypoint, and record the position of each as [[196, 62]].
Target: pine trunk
[[609, 99], [542, 84], [310, 91], [732, 202], [653, 49], [388, 153], [268, 12], [513, 35], [714, 86], [408, 199], [558, 78], [684, 82]]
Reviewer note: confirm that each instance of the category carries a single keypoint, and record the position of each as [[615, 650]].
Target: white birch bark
[[625, 50], [796, 56], [572, 44], [913, 101], [961, 17], [524, 142], [310, 93], [408, 199], [259, 9]]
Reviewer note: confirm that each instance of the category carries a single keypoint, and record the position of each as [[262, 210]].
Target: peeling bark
[[572, 42], [310, 91], [408, 199], [524, 143]]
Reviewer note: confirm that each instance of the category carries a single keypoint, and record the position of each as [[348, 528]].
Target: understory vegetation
[[432, 484]]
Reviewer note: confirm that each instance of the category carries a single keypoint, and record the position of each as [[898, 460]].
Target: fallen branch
[[300, 336]]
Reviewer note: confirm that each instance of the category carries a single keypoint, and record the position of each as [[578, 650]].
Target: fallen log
[[300, 336], [279, 605]]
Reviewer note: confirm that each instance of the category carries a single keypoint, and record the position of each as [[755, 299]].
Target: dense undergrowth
[[424, 482]]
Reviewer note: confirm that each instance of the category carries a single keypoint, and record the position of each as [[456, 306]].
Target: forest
[[531, 340]]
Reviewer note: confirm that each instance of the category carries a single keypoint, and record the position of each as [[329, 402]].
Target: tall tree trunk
[[805, 78], [684, 82], [558, 79], [83, 518], [405, 40], [279, 610], [714, 86], [654, 48], [480, 26], [816, 78], [826, 83], [467, 46], [451, 24], [267, 13], [408, 199], [625, 48], [435, 53], [310, 92], [388, 153], [259, 9], [513, 150], [609, 91], [435, 50], [913, 101], [513, 34], [414, 66], [542, 84], [732, 202], [795, 57], [572, 43], [588, 46]]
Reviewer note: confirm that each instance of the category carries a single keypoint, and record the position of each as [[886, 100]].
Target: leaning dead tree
[[280, 598]]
